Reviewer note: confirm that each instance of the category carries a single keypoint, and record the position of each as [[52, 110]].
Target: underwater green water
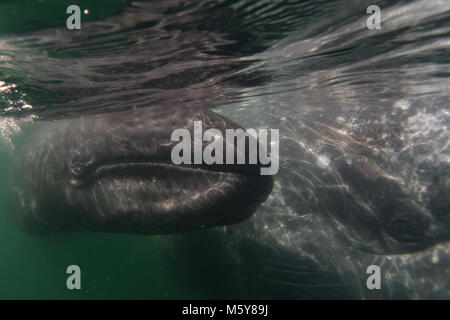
[[113, 266], [25, 15]]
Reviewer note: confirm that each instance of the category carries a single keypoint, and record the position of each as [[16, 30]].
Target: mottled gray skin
[[377, 200], [377, 207], [113, 173]]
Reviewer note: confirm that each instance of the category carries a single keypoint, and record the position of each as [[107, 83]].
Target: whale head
[[113, 173]]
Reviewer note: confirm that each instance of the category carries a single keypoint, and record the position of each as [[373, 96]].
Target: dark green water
[[112, 266]]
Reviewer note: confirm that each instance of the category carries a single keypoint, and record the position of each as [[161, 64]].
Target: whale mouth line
[[149, 165], [153, 169]]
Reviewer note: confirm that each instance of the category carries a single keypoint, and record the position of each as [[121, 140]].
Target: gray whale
[[342, 201], [113, 173]]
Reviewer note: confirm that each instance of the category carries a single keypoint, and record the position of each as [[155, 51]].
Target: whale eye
[[404, 230], [76, 169], [406, 222], [79, 164]]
